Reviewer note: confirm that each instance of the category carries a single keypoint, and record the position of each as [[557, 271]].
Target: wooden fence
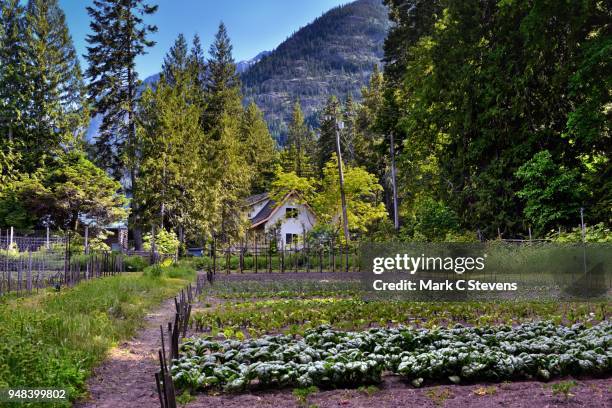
[[267, 259], [27, 272]]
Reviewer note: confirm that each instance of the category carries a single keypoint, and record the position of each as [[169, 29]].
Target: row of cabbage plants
[[328, 358]]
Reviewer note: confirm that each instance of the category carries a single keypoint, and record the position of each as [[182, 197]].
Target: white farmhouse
[[291, 218]]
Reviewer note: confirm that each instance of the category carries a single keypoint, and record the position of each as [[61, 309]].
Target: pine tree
[[119, 36], [176, 188], [221, 121], [259, 148], [370, 147], [14, 86], [222, 82], [176, 61], [301, 145], [196, 63], [58, 111], [329, 124], [349, 134]]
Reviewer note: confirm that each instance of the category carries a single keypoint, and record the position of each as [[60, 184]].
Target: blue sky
[[253, 25]]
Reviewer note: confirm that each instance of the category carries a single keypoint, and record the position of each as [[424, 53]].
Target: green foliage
[[185, 398], [302, 394], [170, 270], [362, 197], [153, 271], [564, 388], [471, 105], [331, 359], [329, 126], [433, 222], [119, 36], [54, 339], [42, 99], [596, 233], [70, 188], [166, 242], [175, 183], [300, 152], [552, 193], [134, 263], [287, 182], [259, 148], [331, 303]]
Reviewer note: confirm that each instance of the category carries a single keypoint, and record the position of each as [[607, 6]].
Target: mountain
[[333, 55], [243, 66]]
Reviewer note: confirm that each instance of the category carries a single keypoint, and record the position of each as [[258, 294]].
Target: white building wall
[[303, 223]]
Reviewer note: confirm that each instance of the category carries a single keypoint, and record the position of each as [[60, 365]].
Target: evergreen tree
[[222, 83], [176, 189], [300, 150], [196, 63], [57, 111], [119, 36], [176, 61], [349, 134], [327, 139], [259, 148], [222, 114], [14, 70], [368, 147]]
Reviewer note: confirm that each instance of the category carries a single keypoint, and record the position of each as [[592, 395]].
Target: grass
[[54, 339]]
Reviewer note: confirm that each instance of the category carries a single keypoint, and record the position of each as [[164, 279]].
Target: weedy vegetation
[[54, 339]]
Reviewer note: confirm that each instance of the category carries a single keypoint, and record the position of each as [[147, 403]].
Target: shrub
[[134, 263], [153, 271], [166, 242], [179, 270], [596, 233]]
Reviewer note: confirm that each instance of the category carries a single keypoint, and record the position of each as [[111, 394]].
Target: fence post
[[530, 232], [29, 274], [256, 238]]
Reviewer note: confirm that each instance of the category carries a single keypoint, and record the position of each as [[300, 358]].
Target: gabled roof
[[271, 207], [254, 199], [264, 214]]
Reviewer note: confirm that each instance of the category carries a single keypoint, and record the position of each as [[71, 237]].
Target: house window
[[291, 212], [291, 239]]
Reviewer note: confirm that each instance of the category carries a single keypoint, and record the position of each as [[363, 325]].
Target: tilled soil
[[394, 393], [127, 377]]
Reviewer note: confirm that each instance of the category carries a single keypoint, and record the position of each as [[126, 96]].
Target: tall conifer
[[120, 34]]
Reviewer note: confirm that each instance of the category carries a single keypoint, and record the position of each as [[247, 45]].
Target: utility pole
[[339, 126], [341, 178], [394, 182]]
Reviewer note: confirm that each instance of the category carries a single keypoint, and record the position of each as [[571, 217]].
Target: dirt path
[[126, 378]]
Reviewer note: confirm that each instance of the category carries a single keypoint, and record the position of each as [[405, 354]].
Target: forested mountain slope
[[333, 55]]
